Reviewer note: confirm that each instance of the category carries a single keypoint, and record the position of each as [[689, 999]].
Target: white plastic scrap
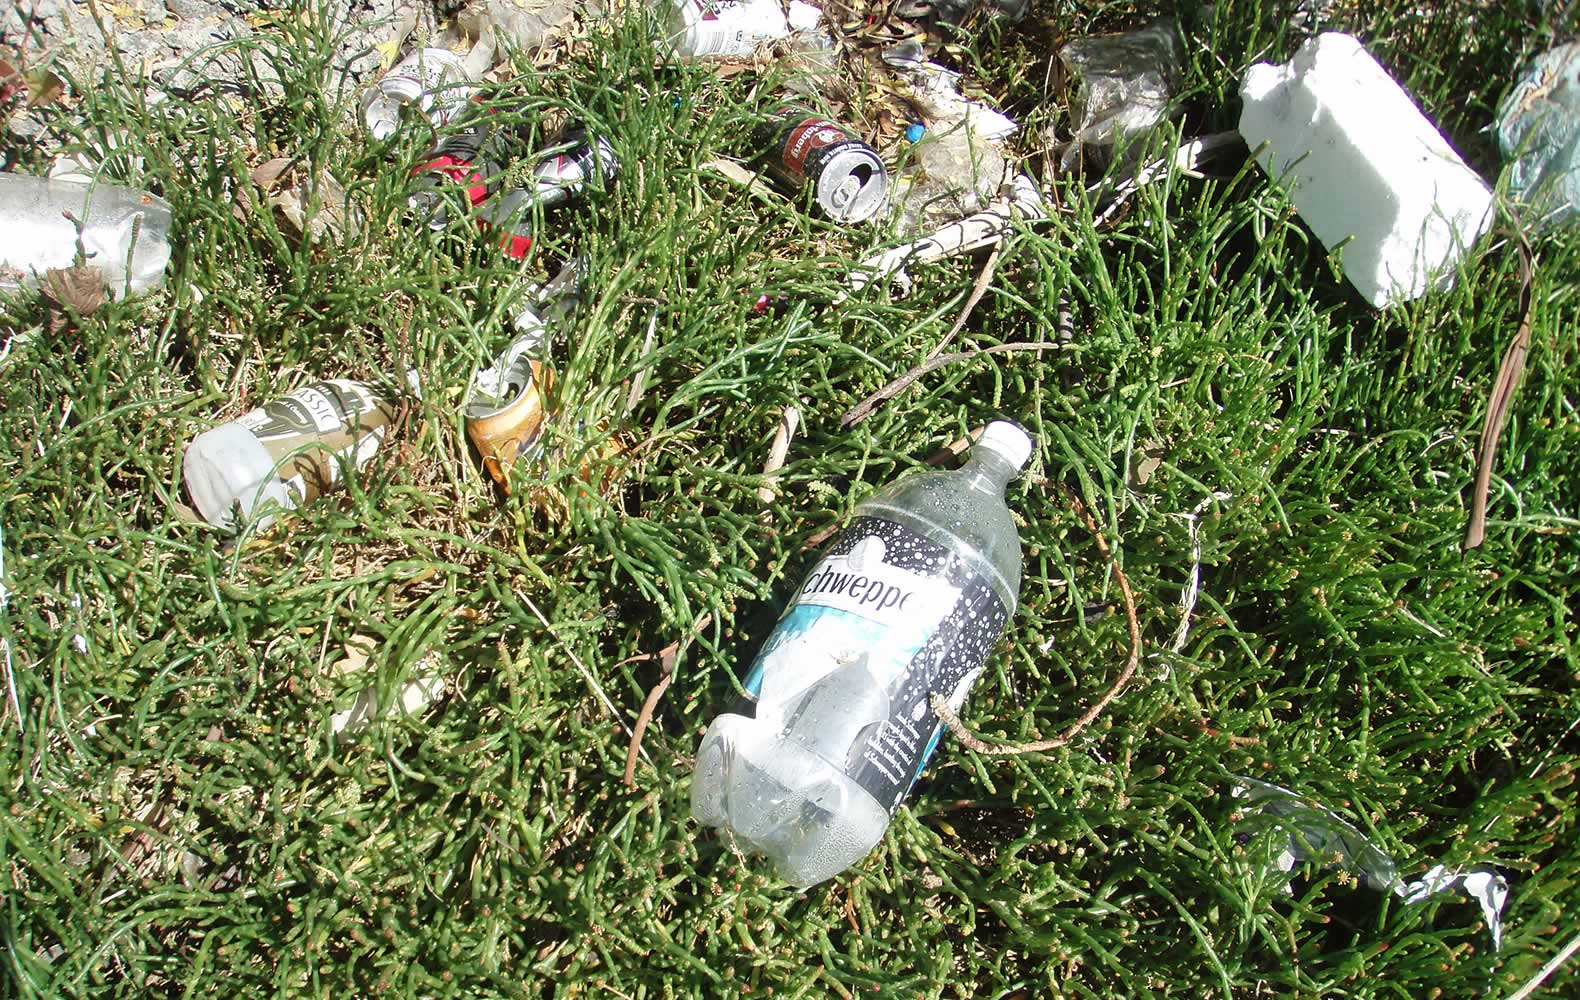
[[935, 91], [1316, 832], [990, 226], [1483, 883], [411, 699], [1365, 168]]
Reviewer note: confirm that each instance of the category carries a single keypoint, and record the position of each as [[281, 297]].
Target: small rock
[[190, 10]]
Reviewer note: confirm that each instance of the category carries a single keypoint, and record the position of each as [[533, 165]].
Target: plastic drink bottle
[[125, 233], [702, 28], [906, 602], [285, 453]]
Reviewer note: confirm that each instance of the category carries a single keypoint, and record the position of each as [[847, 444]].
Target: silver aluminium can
[[846, 176]]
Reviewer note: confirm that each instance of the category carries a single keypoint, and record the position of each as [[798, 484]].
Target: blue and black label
[[893, 618]]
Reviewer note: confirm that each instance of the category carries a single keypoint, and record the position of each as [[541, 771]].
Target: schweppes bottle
[[906, 603]]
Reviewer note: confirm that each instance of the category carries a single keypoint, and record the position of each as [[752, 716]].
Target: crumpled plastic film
[[1539, 134], [1483, 883], [1315, 832], [1121, 87], [521, 24], [935, 90]]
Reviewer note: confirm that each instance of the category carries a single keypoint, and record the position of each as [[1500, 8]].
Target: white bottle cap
[[1009, 440], [803, 16]]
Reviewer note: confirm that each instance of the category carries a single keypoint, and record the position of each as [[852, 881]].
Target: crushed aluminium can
[[436, 81], [564, 171], [846, 177], [507, 409], [474, 163], [471, 158]]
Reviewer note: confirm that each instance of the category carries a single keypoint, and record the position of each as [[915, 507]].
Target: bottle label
[[910, 613], [312, 433], [730, 27]]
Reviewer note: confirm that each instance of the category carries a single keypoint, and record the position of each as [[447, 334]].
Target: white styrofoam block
[[1363, 165]]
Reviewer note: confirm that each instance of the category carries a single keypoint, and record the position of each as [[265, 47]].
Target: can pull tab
[[833, 714], [845, 194]]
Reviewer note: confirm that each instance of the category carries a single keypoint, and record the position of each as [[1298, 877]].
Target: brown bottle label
[[315, 431]]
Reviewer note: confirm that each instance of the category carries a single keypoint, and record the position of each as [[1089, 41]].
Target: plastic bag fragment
[[959, 165], [935, 90], [1315, 832], [518, 24], [1539, 134], [1121, 87], [955, 174]]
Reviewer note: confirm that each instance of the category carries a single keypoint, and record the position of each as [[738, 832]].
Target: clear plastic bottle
[[699, 29], [125, 233], [907, 601]]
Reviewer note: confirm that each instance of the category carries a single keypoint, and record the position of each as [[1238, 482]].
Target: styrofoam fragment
[[1365, 168]]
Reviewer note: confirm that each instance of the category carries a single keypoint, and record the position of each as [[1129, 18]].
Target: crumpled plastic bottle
[[1539, 134], [905, 605], [955, 174]]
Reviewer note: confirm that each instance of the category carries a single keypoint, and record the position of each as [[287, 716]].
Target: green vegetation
[[177, 819]]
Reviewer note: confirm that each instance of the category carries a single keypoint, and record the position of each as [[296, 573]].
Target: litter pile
[[901, 607]]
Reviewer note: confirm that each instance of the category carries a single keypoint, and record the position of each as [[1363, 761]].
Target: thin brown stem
[[1536, 981], [864, 409], [969, 740], [666, 659], [1503, 391]]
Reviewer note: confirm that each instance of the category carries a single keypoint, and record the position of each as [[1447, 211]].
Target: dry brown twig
[[1504, 389], [970, 740], [864, 409], [959, 446], [984, 278], [1536, 981], [789, 420], [666, 661]]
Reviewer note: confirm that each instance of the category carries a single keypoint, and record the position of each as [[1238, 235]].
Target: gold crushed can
[[508, 406]]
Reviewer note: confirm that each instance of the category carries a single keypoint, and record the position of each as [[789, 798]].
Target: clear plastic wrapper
[[1312, 832], [1120, 88], [1539, 134]]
